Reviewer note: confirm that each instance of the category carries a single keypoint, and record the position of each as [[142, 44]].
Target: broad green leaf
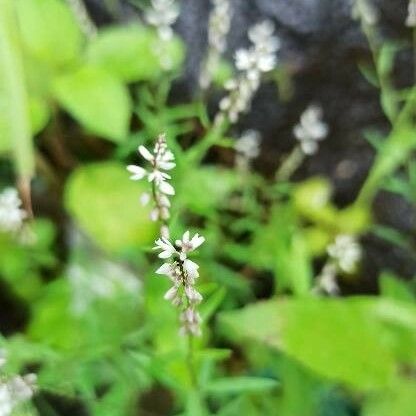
[[97, 100], [131, 53], [281, 248], [216, 184], [105, 203], [357, 341], [240, 385], [39, 114], [14, 112], [391, 286], [400, 401], [49, 31]]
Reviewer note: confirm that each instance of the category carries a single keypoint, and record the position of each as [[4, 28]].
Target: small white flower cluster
[[182, 272], [247, 148], [327, 281], [162, 159], [345, 252], [81, 14], [310, 130], [15, 390], [162, 15], [411, 14], [252, 63], [365, 11], [11, 213], [218, 28]]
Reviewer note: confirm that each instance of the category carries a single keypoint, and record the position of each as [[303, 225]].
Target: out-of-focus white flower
[[345, 252], [247, 148], [162, 15], [411, 14], [14, 391], [81, 14], [310, 130], [327, 281], [260, 58], [162, 159], [182, 272], [248, 145], [11, 213], [365, 11], [218, 28]]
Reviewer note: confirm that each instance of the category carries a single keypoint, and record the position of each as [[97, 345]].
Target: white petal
[[166, 188], [166, 165], [196, 241], [137, 171], [171, 293], [166, 269], [146, 154], [191, 268], [185, 237]]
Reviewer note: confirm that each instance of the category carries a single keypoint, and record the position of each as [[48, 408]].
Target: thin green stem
[[290, 164]]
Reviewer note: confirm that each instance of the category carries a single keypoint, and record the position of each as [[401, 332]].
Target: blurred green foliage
[[91, 319]]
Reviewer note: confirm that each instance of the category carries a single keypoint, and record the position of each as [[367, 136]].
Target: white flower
[[411, 14], [161, 159], [327, 281], [137, 172], [163, 14], [345, 252], [252, 63], [187, 244], [14, 391], [248, 145], [11, 214], [364, 10], [191, 321], [218, 27], [182, 272], [310, 129], [167, 249]]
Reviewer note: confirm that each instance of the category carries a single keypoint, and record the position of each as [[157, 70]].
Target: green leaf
[[357, 341], [130, 53], [105, 203], [392, 287], [240, 385], [280, 247], [216, 184], [97, 100], [39, 114], [49, 31], [14, 113], [400, 401]]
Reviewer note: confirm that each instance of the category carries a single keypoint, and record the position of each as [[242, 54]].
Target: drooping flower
[[11, 213], [310, 129], [345, 252], [183, 273], [160, 160], [252, 63]]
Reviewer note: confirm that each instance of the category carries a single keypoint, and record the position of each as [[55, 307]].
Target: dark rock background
[[321, 46]]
